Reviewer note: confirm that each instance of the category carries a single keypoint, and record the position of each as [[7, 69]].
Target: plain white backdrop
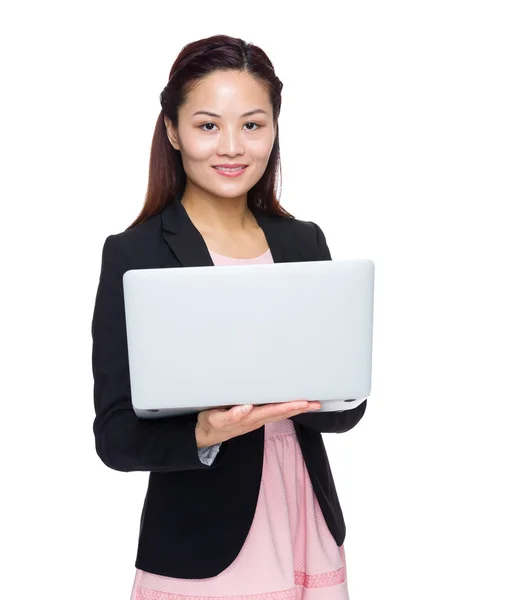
[[396, 135]]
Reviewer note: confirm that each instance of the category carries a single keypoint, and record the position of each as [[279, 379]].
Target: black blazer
[[195, 517]]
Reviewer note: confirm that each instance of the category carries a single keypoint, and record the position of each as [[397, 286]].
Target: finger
[[276, 411], [314, 405], [284, 407], [311, 407]]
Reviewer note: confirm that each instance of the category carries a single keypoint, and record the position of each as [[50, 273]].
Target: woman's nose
[[230, 141]]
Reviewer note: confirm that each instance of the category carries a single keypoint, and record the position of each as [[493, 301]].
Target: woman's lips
[[230, 173]]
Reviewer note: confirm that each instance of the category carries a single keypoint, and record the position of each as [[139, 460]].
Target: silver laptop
[[206, 337]]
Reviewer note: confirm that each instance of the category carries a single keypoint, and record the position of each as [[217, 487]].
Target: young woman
[[240, 504]]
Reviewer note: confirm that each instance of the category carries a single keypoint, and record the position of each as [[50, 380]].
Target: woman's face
[[230, 137]]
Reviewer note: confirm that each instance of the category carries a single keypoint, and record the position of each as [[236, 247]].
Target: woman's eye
[[249, 123]]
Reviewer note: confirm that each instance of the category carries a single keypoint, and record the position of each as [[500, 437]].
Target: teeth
[[229, 169]]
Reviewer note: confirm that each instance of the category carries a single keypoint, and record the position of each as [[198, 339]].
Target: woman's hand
[[221, 424]]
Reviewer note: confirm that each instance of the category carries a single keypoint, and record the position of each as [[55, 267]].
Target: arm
[[125, 442], [333, 421]]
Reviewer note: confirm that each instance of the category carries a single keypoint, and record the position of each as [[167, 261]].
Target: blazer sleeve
[[333, 421], [125, 442]]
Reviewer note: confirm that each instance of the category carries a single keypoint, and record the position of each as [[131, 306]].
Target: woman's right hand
[[221, 424]]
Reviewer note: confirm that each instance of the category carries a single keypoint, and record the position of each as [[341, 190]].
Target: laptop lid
[[203, 337]]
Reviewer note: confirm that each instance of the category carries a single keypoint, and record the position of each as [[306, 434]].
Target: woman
[[238, 503]]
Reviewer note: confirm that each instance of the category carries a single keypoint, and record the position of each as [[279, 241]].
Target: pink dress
[[289, 553]]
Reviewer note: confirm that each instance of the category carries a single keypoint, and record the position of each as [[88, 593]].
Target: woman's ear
[[171, 132]]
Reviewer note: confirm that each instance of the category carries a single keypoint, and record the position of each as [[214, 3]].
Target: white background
[[397, 132]]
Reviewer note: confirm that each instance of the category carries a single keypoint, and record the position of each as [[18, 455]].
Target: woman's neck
[[228, 215]]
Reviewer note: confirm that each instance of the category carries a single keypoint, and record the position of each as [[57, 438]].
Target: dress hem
[[321, 580]]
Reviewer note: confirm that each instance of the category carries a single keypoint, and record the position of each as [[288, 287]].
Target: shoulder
[[128, 248], [306, 230], [307, 233], [138, 234]]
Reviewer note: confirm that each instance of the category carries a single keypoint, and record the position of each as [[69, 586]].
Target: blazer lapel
[[188, 245]]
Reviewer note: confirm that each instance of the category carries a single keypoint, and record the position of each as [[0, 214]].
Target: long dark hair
[[167, 178]]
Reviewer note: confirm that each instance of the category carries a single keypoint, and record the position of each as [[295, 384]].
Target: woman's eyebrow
[[246, 114]]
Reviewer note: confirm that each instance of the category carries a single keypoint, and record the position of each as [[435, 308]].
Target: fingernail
[[246, 408]]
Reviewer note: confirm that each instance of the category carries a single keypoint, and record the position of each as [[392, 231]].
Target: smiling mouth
[[230, 169]]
